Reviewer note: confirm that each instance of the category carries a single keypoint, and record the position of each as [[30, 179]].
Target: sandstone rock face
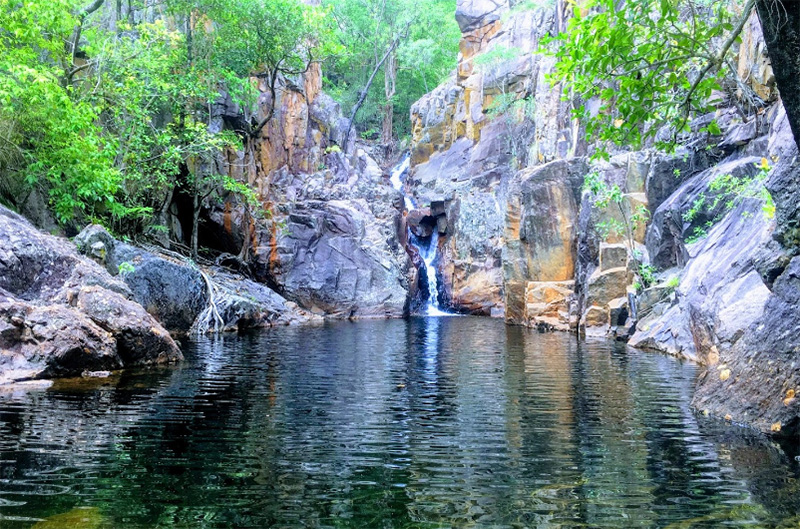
[[326, 237], [547, 305], [512, 181], [61, 314], [540, 229], [725, 317], [464, 156], [473, 14]]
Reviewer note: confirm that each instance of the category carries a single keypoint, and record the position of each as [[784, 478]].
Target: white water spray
[[397, 173], [428, 253]]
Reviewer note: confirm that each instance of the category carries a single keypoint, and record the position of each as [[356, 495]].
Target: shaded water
[[430, 422]]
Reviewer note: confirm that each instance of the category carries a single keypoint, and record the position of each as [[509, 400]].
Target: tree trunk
[[75, 38], [365, 91], [195, 221], [780, 21], [389, 85]]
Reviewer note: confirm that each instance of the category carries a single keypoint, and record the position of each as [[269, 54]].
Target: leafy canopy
[[639, 66], [365, 29], [105, 132]]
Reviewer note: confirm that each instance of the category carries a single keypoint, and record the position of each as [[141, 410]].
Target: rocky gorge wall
[[498, 167], [326, 232], [497, 145]]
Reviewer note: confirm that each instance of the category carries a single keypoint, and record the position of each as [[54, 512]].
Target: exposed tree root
[[209, 320]]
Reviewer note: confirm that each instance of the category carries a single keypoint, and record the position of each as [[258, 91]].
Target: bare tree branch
[[363, 96]]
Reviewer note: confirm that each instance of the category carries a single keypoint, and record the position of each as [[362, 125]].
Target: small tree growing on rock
[[623, 219]]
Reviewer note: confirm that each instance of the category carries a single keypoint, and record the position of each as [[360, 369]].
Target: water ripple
[[456, 422]]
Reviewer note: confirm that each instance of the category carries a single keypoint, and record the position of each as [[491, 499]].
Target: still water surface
[[430, 422]]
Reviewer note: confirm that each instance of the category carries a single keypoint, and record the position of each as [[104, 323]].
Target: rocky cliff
[[496, 145], [326, 234]]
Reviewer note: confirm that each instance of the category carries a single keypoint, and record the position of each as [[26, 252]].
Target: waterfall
[[397, 173], [428, 254], [429, 251]]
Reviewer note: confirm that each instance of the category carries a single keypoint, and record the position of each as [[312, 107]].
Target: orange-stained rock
[[547, 304], [605, 286], [540, 229]]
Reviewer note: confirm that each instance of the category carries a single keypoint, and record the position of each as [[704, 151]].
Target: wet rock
[[724, 316], [173, 292], [756, 377], [547, 305], [53, 341], [46, 329], [140, 339], [421, 222]]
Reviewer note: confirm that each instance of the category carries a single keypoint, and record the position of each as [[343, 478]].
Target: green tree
[[648, 64], [395, 51], [51, 141], [108, 118]]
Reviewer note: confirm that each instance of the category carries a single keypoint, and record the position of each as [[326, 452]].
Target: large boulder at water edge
[[179, 293], [62, 314]]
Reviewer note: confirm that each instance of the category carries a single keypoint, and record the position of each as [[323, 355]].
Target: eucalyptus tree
[[394, 51]]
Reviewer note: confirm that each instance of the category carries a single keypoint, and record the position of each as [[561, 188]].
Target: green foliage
[[641, 61], [126, 268], [647, 274], [52, 138], [107, 131], [611, 197], [725, 192], [424, 58], [673, 283]]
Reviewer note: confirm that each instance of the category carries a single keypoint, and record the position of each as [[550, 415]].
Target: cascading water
[[428, 252], [397, 173]]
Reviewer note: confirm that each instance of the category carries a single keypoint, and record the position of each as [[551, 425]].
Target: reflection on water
[[431, 422]]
